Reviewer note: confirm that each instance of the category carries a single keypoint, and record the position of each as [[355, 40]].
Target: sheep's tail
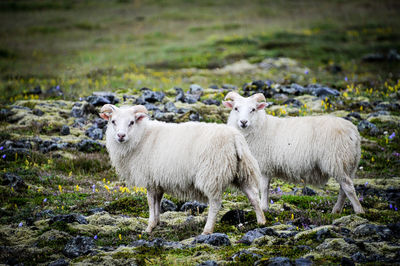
[[248, 169]]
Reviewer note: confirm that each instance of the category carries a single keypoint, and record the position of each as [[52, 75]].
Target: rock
[[35, 91], [229, 87], [356, 115], [54, 91], [245, 256], [194, 117], [97, 100], [88, 145], [166, 117], [279, 261], [170, 107], [94, 133], [214, 87], [303, 262], [100, 123], [196, 89], [95, 210], [211, 102], [157, 243], [151, 107], [78, 246], [374, 57], [336, 247], [293, 102], [350, 221], [367, 127], [234, 217], [208, 263], [191, 98], [251, 235], [385, 106], [37, 112], [168, 206], [194, 207], [280, 97], [76, 112], [215, 239], [346, 262], [149, 96], [323, 233], [69, 218], [358, 257], [379, 113], [308, 191], [180, 95], [65, 130], [364, 104], [320, 91], [372, 231], [14, 181], [59, 262]]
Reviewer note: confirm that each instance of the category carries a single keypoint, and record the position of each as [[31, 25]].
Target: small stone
[[76, 112], [215, 239], [78, 246], [54, 91], [194, 117], [251, 235], [372, 231], [234, 217], [245, 256], [368, 127], [14, 181], [358, 257], [279, 261], [208, 263], [168, 206], [322, 234], [355, 115], [98, 100], [166, 117], [94, 133], [214, 87], [211, 102], [59, 262], [194, 207], [180, 95], [69, 218], [170, 107], [191, 98], [195, 89], [88, 145], [150, 96], [36, 91], [65, 130], [308, 191], [303, 262], [229, 87], [320, 91], [95, 210], [346, 262], [37, 112], [293, 102]]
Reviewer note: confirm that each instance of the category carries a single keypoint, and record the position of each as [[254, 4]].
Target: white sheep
[[189, 160], [306, 150]]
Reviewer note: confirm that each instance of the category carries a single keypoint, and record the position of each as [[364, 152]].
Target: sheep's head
[[244, 110], [123, 121]]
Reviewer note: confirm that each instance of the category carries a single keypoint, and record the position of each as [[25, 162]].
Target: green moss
[[132, 205]]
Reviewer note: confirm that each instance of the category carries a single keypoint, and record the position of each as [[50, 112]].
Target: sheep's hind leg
[[340, 202], [252, 194], [348, 188], [151, 200], [215, 205], [264, 188], [157, 205]]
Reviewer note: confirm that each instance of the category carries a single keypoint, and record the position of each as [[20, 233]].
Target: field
[[60, 199]]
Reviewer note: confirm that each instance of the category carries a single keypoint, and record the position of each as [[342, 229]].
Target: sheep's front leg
[[340, 202], [264, 189], [252, 194], [151, 200], [215, 205], [157, 206], [348, 188]]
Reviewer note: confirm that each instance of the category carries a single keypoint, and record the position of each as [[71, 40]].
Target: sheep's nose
[[121, 136], [243, 123]]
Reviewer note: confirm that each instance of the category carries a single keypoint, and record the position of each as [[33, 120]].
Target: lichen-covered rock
[[69, 218], [251, 235], [14, 181], [78, 246], [194, 207], [318, 233], [234, 217], [167, 205], [334, 247], [350, 221], [245, 256], [215, 239], [373, 231]]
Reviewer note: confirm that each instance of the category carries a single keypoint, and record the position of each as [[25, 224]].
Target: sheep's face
[[123, 122], [244, 110]]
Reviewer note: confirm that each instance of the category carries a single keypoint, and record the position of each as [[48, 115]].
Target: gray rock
[[167, 205], [228, 87], [157, 243], [294, 103], [35, 91], [80, 122], [76, 112], [14, 181], [379, 113], [88, 145], [54, 91], [149, 96], [214, 87], [208, 263], [37, 112], [65, 130], [245, 255], [215, 239], [78, 246], [191, 98], [69, 218], [355, 115], [166, 117], [170, 107], [308, 191], [303, 262], [346, 262], [95, 210], [180, 95], [211, 102], [358, 257], [279, 261], [323, 233], [59, 262], [367, 127], [194, 207], [320, 90], [251, 235], [195, 89], [372, 231], [97, 100], [234, 217], [387, 107], [151, 107], [194, 117], [94, 133]]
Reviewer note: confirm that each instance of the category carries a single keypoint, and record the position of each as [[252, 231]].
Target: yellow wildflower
[[60, 188]]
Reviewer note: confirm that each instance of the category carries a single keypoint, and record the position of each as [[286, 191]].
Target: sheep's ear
[[261, 105], [106, 111], [140, 116], [228, 104]]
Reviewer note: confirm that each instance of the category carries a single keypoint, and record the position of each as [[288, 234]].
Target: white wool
[[190, 160], [306, 150]]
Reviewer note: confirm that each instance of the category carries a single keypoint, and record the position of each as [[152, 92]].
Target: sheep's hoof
[[149, 229], [206, 233]]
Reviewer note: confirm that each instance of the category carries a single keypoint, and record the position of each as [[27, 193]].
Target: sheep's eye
[[131, 123], [113, 122], [236, 109], [252, 110]]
